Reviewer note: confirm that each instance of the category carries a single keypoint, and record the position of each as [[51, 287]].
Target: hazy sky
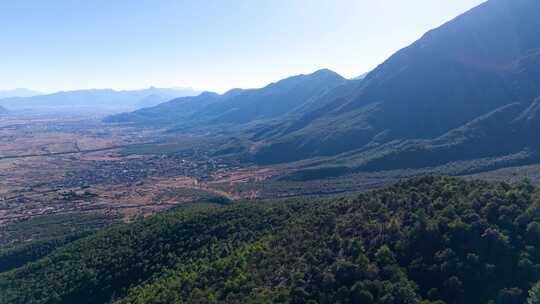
[[214, 45]]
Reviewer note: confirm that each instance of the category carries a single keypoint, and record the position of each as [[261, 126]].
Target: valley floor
[[75, 165]]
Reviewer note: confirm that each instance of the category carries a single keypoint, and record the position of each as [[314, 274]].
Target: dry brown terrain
[[63, 165]]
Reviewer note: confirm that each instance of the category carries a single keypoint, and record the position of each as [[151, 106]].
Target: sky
[[213, 45]]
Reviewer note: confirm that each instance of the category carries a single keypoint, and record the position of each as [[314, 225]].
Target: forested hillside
[[427, 240], [30, 239]]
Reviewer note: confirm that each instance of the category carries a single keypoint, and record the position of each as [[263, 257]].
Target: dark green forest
[[426, 240], [28, 240]]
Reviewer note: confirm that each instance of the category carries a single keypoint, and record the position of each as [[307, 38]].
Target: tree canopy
[[426, 240]]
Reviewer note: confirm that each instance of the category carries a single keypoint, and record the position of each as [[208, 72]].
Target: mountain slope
[[238, 106], [276, 99], [425, 240], [463, 92], [484, 60], [105, 100], [167, 113]]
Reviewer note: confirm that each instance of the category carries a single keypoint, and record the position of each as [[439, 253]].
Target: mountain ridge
[[98, 100], [18, 92], [450, 96], [238, 106], [432, 86]]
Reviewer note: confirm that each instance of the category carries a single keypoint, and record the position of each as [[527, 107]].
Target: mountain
[[360, 77], [96, 101], [20, 92], [428, 240], [466, 93], [283, 97], [237, 106], [3, 110], [466, 90], [167, 113]]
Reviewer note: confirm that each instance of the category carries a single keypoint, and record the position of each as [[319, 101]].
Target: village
[[62, 168]]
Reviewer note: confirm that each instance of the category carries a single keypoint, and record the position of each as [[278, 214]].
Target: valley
[[67, 165], [417, 182], [73, 164]]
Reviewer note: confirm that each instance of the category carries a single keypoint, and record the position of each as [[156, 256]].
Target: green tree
[[534, 294]]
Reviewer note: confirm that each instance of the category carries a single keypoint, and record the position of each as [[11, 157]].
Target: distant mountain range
[[286, 97], [95, 101], [468, 91], [3, 111], [20, 92]]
